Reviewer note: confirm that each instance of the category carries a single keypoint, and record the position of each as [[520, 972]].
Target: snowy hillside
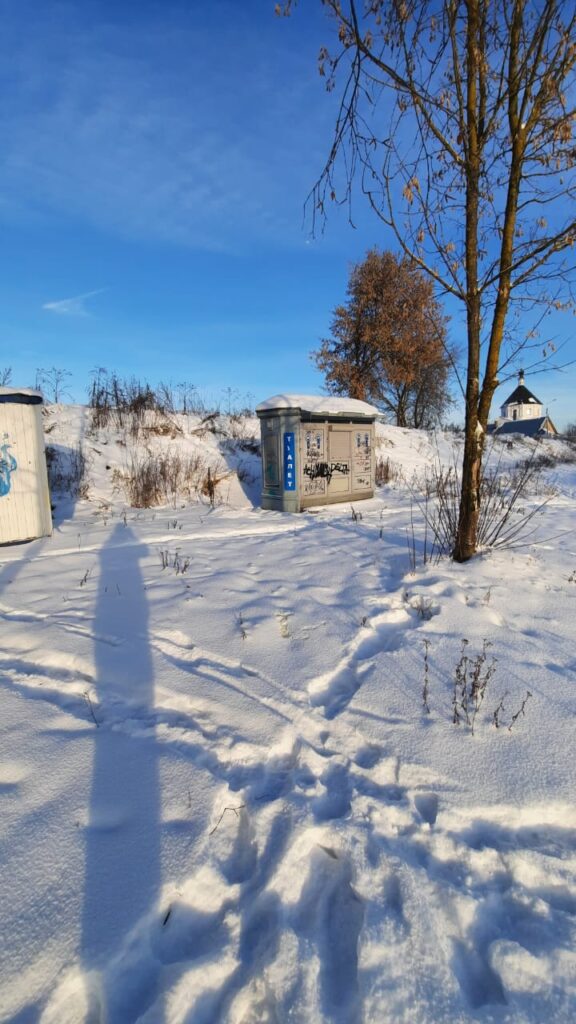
[[223, 796]]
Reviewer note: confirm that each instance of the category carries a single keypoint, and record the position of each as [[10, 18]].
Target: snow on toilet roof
[[317, 405]]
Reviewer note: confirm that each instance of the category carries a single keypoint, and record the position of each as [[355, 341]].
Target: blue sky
[[155, 160]]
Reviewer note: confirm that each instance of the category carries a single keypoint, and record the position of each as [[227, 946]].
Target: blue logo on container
[[289, 462], [7, 466]]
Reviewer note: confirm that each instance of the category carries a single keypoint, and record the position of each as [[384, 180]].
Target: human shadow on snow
[[122, 861]]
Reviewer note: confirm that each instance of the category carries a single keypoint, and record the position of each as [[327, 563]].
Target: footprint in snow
[[427, 806], [331, 915], [335, 800], [240, 865]]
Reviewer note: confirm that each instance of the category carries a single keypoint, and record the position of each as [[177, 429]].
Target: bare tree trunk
[[401, 418], [466, 538], [469, 510]]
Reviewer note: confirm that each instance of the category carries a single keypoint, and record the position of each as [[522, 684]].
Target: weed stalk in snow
[[234, 809], [471, 678], [520, 712], [425, 687], [497, 712], [88, 700]]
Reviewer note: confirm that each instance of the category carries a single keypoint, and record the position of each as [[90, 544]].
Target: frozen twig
[[88, 700], [235, 809]]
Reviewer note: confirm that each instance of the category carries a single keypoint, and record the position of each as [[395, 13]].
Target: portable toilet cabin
[[315, 450], [24, 495]]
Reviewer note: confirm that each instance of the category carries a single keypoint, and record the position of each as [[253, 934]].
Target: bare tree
[[388, 342], [5, 376], [51, 381], [456, 118]]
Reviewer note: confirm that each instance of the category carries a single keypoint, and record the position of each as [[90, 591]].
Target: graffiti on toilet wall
[[319, 471], [362, 460], [313, 483], [8, 465], [326, 470]]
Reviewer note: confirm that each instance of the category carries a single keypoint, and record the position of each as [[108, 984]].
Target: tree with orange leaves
[[388, 343]]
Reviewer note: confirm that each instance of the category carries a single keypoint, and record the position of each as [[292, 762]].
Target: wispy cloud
[[75, 306], [205, 152]]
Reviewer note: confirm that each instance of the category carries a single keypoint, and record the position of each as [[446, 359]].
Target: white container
[[24, 495]]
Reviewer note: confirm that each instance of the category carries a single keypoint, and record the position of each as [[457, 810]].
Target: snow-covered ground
[[222, 797]]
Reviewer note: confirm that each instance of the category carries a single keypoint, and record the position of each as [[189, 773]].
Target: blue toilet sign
[[289, 462]]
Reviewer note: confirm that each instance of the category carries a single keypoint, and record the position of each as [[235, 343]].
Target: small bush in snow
[[503, 520], [161, 478], [134, 406], [175, 561], [471, 681], [384, 471], [500, 710], [471, 677]]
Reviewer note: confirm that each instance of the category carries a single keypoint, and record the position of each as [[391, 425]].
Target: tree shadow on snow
[[122, 866]]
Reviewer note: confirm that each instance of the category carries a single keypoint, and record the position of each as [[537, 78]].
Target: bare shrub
[[133, 405], [503, 519], [237, 404], [209, 485], [157, 424], [174, 560], [550, 459], [51, 381], [471, 682], [126, 399], [209, 424], [471, 677], [188, 399], [247, 444], [165, 477], [240, 430], [385, 471]]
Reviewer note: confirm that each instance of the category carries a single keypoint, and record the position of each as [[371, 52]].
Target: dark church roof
[[521, 396], [530, 428]]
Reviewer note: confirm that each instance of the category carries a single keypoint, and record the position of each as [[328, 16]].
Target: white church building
[[523, 413]]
